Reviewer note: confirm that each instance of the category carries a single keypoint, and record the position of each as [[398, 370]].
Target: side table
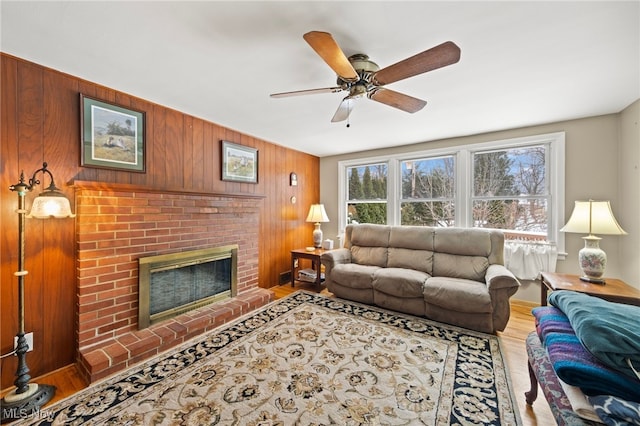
[[313, 256], [613, 290]]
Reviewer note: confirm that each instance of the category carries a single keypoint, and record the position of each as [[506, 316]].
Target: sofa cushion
[[455, 266], [412, 237], [376, 256], [399, 282], [353, 275], [421, 260], [370, 235], [470, 242], [463, 241], [408, 305], [457, 294], [368, 244]]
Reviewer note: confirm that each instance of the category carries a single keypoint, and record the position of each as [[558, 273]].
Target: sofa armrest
[[334, 257], [498, 277]]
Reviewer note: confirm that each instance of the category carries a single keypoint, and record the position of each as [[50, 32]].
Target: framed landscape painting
[[239, 163], [112, 136]]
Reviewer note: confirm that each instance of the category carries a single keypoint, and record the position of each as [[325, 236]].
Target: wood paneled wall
[[40, 121]]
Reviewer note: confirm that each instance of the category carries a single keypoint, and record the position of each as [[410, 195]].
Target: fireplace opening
[[171, 284]]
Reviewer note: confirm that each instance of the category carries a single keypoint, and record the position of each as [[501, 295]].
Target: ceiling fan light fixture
[[357, 91]]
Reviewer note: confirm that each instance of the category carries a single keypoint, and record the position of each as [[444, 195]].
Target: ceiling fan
[[360, 77]]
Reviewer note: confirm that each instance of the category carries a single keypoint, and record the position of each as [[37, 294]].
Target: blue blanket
[[609, 331], [573, 364]]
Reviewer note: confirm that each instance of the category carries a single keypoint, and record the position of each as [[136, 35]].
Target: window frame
[[464, 175]]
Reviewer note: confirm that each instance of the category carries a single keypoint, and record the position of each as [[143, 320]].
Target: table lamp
[[592, 217], [317, 214]]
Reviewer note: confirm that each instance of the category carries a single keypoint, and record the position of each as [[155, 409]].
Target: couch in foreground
[[451, 275]]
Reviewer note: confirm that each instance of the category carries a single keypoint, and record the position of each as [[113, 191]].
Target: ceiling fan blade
[[440, 56], [344, 109], [307, 92], [397, 100], [325, 46]]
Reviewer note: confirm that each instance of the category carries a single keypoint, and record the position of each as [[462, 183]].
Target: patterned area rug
[[309, 360]]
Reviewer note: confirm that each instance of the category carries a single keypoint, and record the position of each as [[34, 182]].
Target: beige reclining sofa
[[451, 275]]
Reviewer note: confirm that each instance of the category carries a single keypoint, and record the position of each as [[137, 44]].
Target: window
[[428, 191], [367, 194], [510, 189], [516, 185]]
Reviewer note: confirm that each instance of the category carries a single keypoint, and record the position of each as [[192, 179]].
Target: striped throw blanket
[[574, 364]]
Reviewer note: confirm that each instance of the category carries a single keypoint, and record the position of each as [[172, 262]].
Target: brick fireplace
[[116, 225]]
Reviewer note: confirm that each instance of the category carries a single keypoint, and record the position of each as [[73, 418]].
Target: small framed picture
[[113, 136], [239, 163]]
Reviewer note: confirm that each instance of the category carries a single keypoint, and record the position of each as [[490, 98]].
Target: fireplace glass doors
[[175, 283]]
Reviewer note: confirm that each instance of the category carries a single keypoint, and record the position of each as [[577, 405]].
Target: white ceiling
[[522, 63]]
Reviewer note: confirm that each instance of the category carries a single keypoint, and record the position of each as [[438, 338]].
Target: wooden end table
[[313, 256], [613, 290]]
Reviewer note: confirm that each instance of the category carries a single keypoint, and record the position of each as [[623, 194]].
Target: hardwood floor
[[513, 346], [68, 381]]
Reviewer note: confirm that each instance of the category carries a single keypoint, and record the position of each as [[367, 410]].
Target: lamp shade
[[317, 214], [593, 217], [50, 204]]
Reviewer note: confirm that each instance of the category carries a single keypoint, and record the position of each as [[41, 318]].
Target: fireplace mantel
[[128, 187]]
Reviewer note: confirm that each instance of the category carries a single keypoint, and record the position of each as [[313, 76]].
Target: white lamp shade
[[593, 217], [317, 214], [50, 204]]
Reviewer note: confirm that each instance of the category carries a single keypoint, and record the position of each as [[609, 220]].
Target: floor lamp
[[27, 398]]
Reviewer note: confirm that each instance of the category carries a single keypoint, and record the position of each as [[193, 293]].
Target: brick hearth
[[118, 224]]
